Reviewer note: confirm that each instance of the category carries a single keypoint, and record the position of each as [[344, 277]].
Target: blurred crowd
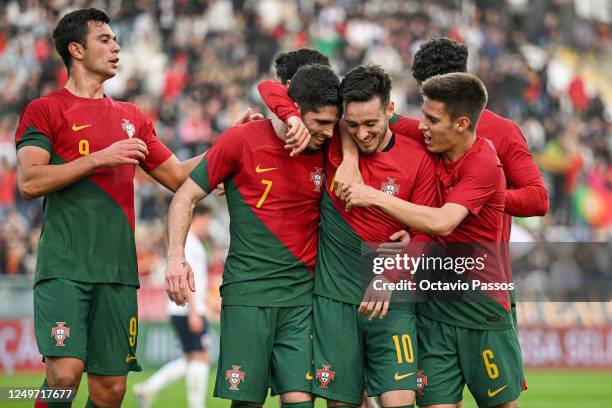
[[192, 66]]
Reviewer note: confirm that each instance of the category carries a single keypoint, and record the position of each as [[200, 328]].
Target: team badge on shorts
[[316, 176], [421, 382], [234, 376], [60, 333], [128, 128], [390, 187], [325, 376]]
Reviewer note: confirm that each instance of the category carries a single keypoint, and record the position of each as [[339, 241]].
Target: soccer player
[[78, 148], [473, 343], [382, 351], [286, 65], [190, 324], [274, 205], [526, 194]]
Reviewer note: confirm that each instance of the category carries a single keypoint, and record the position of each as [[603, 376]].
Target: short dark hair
[[286, 64], [364, 83], [73, 27], [463, 94], [439, 56], [315, 86]]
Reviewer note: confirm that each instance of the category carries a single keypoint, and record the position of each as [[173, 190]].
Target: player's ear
[[288, 83], [462, 124], [77, 51], [390, 109]]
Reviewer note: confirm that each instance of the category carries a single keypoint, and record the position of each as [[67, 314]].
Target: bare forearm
[[350, 152], [188, 165], [179, 221], [173, 173], [38, 180], [430, 220]]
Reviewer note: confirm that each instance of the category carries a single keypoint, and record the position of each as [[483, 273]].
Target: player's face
[[368, 124], [320, 124], [101, 56], [438, 127]]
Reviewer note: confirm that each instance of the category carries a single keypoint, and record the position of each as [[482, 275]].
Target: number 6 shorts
[[487, 361], [350, 350], [94, 322]]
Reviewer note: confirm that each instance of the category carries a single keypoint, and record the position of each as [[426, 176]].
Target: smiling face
[[320, 124], [101, 54], [368, 124]]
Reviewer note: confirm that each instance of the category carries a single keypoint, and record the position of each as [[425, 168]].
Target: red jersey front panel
[[88, 226], [274, 204]]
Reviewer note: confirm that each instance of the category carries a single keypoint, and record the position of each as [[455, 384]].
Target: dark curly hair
[[364, 83], [439, 56], [286, 64], [73, 27], [314, 87]]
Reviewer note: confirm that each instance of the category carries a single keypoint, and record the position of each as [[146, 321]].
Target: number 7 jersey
[[274, 206]]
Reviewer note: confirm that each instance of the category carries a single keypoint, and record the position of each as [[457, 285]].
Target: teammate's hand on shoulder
[[248, 116], [195, 323], [376, 302], [346, 174], [397, 242], [179, 280], [126, 151], [298, 135]]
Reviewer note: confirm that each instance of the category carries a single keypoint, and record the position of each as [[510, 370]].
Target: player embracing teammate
[[525, 196]]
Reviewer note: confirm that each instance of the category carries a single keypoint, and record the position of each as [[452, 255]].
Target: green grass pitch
[[547, 389]]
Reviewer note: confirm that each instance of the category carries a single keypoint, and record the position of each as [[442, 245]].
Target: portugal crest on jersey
[[325, 375], [234, 376], [316, 176], [421, 382], [390, 187], [60, 333], [128, 128]]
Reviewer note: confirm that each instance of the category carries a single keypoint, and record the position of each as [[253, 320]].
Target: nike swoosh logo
[[491, 394], [260, 170], [309, 376], [77, 128], [129, 358], [399, 377]]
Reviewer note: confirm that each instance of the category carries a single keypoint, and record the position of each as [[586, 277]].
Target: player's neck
[[385, 142], [280, 128], [84, 85], [460, 149]]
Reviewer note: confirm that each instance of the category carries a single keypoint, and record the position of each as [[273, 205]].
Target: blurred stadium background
[[192, 66]]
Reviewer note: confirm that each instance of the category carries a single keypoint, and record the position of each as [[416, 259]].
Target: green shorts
[[94, 322], [262, 347], [487, 361], [349, 349]]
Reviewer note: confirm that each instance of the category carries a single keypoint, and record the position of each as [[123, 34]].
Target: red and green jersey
[[404, 169], [475, 181], [274, 206], [88, 227]]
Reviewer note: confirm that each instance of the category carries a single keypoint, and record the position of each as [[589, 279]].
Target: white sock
[[197, 383], [166, 375]]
